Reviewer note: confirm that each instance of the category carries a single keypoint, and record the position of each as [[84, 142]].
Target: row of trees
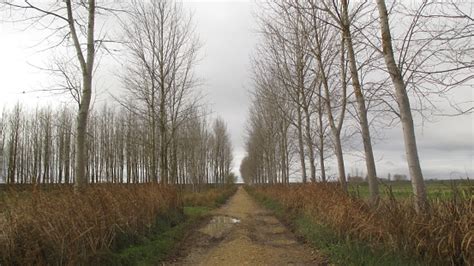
[[37, 147], [159, 133], [322, 73]]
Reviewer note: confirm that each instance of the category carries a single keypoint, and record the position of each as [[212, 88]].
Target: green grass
[[337, 249], [164, 237], [436, 189], [160, 242], [342, 251]]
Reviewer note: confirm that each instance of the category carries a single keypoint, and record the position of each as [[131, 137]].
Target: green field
[[437, 189]]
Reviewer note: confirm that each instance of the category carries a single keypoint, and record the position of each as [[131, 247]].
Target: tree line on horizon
[[156, 130], [37, 148]]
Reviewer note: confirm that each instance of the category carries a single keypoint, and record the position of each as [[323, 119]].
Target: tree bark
[[321, 136], [406, 118], [87, 65], [362, 110], [301, 146], [336, 130], [309, 142]]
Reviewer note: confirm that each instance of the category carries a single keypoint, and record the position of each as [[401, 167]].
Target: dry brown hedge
[[210, 197], [443, 235], [64, 227]]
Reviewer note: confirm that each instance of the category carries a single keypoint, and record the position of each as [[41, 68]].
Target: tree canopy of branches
[[313, 53], [160, 75]]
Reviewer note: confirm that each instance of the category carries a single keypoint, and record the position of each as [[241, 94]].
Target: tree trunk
[[321, 137], [334, 129], [174, 159], [337, 138], [301, 146], [81, 156], [405, 111], [87, 65], [309, 142], [362, 110]]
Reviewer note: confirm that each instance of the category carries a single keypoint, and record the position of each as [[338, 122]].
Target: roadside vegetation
[[114, 224], [351, 232]]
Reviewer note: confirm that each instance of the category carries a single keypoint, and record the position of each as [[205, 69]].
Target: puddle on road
[[219, 225]]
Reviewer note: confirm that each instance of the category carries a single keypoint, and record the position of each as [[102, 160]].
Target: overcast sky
[[228, 32]]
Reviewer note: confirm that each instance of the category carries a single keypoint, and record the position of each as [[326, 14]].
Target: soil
[[243, 233]]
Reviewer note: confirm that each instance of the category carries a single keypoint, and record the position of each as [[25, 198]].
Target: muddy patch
[[219, 226], [243, 233]]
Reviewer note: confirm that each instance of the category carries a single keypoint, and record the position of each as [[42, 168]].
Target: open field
[[436, 189]]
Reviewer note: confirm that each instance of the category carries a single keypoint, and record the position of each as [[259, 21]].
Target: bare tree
[[163, 50], [345, 23], [405, 110], [422, 65], [69, 16], [15, 126], [221, 149], [285, 53], [324, 41]]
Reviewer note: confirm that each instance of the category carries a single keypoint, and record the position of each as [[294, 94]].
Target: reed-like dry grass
[[64, 227], [445, 234], [210, 197]]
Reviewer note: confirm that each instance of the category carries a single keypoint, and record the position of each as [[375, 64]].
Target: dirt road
[[243, 233]]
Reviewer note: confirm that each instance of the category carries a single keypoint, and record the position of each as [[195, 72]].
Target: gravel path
[[243, 233]]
